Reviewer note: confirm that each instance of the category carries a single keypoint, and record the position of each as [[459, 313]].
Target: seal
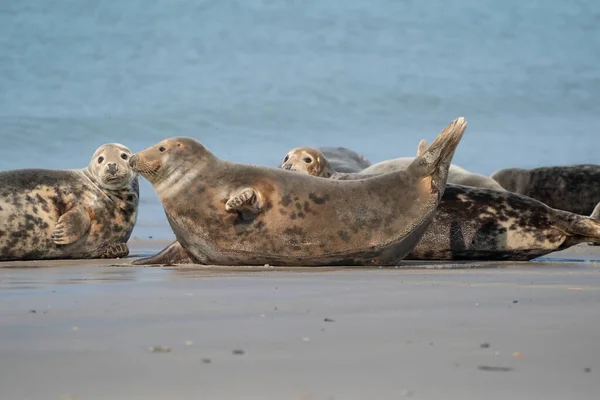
[[456, 174], [80, 213], [484, 224], [345, 160], [574, 188], [309, 160], [225, 213]]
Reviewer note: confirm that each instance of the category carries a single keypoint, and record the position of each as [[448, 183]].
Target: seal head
[[308, 160]]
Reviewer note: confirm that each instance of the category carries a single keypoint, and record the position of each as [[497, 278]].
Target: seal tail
[[433, 160], [579, 228]]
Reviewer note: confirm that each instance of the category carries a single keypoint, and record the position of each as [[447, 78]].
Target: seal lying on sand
[[574, 188], [230, 214], [482, 224], [345, 160], [456, 174], [82, 213]]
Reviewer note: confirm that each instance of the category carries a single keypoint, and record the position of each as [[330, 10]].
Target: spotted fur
[[484, 224], [574, 188], [290, 218], [82, 213]]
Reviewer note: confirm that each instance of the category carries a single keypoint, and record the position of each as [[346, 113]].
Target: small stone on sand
[[159, 349], [189, 343], [328, 320], [306, 339], [239, 352], [485, 345]]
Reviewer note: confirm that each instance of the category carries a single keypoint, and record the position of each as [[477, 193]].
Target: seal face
[[308, 160], [483, 224], [574, 188], [230, 214], [82, 213]]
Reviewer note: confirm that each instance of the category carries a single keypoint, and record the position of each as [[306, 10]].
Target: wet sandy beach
[[92, 330]]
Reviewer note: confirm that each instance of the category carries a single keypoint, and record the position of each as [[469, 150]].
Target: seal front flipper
[[71, 226], [245, 199], [172, 254], [116, 250]]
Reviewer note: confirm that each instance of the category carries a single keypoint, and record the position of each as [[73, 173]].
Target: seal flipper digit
[[116, 250], [245, 198], [172, 254], [71, 226]]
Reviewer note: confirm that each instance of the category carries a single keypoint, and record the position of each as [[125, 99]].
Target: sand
[[91, 330]]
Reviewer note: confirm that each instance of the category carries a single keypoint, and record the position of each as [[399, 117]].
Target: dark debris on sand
[[497, 369]]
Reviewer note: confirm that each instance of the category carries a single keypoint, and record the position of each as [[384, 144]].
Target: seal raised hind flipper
[[79, 213], [487, 224], [278, 217]]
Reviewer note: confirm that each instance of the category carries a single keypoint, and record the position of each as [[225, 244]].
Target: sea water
[[252, 79]]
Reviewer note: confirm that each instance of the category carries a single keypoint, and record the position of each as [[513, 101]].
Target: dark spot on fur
[[300, 214], [307, 208], [318, 200], [344, 236], [293, 215], [286, 200], [260, 225], [298, 206]]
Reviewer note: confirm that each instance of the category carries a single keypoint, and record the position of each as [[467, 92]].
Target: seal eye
[[307, 160], [162, 149], [124, 156], [286, 158], [100, 159]]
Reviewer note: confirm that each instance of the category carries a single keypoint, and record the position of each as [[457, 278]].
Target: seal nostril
[[132, 161]]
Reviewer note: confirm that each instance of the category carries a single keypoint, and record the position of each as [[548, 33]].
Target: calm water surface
[[252, 79]]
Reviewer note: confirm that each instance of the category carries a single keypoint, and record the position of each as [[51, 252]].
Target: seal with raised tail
[[480, 224], [80, 213], [225, 213]]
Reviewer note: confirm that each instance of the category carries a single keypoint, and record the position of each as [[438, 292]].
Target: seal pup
[[482, 224], [80, 213], [313, 161], [225, 213], [574, 188], [456, 174]]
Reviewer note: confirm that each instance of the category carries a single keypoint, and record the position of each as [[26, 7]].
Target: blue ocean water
[[253, 78]]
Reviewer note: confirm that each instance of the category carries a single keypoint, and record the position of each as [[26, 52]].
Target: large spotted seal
[[574, 188], [81, 213], [232, 214], [473, 223], [456, 174]]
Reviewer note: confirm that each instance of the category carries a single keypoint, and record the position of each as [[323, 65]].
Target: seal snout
[[112, 168], [133, 161]]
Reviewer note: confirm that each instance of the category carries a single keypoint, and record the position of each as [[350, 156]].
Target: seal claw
[[246, 197], [116, 250]]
